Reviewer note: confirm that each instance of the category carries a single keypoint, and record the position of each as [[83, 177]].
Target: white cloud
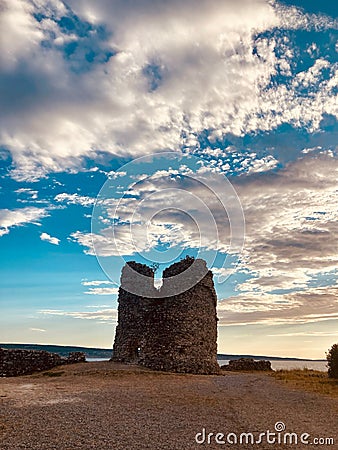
[[104, 315], [95, 282], [75, 199], [84, 239], [52, 240], [98, 306], [38, 330], [177, 70], [103, 291], [95, 287], [263, 164], [114, 174], [221, 272], [28, 192], [20, 217], [20, 35]]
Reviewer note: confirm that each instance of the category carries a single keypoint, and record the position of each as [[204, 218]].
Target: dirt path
[[109, 406]]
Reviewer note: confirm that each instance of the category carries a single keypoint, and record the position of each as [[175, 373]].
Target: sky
[[153, 130]]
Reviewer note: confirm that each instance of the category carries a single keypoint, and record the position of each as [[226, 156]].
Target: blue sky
[[244, 91]]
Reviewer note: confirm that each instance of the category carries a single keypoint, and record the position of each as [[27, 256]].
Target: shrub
[[332, 361]]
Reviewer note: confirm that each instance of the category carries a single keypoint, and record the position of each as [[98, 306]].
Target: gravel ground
[[111, 406]]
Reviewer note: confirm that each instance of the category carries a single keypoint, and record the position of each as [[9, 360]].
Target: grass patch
[[53, 374], [308, 380]]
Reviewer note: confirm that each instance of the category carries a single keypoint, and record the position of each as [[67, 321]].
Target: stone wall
[[134, 314], [74, 358], [170, 333], [243, 364], [23, 362]]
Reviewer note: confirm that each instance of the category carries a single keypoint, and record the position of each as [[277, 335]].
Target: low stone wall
[[247, 364], [74, 358], [15, 362]]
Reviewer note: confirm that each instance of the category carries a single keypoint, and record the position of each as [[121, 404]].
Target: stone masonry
[[16, 362], [171, 333], [243, 364]]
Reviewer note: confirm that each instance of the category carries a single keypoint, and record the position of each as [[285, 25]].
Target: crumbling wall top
[[180, 266], [142, 269]]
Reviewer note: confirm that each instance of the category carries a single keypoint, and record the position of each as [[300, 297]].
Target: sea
[[287, 364], [281, 364]]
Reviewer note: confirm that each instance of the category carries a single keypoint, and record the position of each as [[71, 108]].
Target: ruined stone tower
[[160, 331]]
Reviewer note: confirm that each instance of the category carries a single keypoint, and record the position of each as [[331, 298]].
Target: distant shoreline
[[92, 352], [271, 358]]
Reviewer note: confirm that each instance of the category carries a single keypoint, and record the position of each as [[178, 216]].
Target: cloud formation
[[19, 217], [102, 315], [291, 221], [291, 224], [131, 80], [164, 211], [200, 76], [52, 240], [75, 199], [307, 307], [95, 282], [103, 291]]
